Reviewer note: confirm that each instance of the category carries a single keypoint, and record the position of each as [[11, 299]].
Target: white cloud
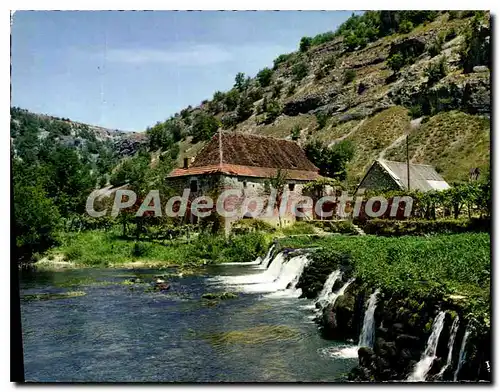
[[195, 55]]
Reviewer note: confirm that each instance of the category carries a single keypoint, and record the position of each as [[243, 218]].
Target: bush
[[437, 70], [389, 227], [281, 59], [436, 45], [332, 226], [321, 119], [140, 250], [405, 27], [349, 76], [299, 228], [249, 225], [295, 132], [291, 89], [273, 110], [453, 15], [264, 76], [244, 248], [416, 111], [299, 71], [396, 62], [305, 44], [276, 89]]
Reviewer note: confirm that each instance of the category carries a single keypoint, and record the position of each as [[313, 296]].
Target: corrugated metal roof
[[422, 177]]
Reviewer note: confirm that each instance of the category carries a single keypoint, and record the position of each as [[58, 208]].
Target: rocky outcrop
[[303, 105], [476, 96], [129, 144]]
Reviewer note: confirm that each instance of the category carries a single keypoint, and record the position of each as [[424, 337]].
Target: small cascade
[[259, 261], [265, 261], [424, 365], [332, 297], [327, 287], [286, 279], [368, 330], [461, 356], [291, 290], [451, 342], [267, 276]]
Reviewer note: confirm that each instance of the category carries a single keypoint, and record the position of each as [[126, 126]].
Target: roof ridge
[[411, 164]]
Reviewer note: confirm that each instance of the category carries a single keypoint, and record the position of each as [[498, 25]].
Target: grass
[[376, 133], [452, 141], [108, 249], [446, 264]]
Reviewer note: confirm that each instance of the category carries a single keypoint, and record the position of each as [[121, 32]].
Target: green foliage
[[295, 134], [331, 161], [390, 227], [273, 109], [299, 71], [281, 59], [415, 267], [321, 119], [276, 89], [305, 44], [299, 228], [436, 45], [249, 225], [476, 48], [291, 89], [204, 127], [415, 111], [163, 135], [405, 27], [325, 67], [240, 82], [264, 76], [244, 108], [138, 250], [231, 99], [349, 76], [436, 70]]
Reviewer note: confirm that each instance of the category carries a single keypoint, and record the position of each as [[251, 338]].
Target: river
[[123, 333]]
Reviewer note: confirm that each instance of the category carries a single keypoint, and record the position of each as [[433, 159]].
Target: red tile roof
[[247, 171]]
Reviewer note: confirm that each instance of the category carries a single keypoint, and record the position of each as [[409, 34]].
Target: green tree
[[264, 76], [239, 81], [204, 127], [305, 44]]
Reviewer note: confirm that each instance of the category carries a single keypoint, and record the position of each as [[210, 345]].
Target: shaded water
[[118, 332]]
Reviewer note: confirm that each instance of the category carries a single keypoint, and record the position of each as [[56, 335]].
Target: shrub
[[140, 250], [416, 111], [276, 89], [305, 44], [282, 58], [291, 89], [396, 62], [299, 228], [244, 247], [453, 15], [321, 119], [264, 76], [436, 71], [249, 225], [299, 71], [436, 45], [349, 76], [273, 110], [405, 26], [295, 132]]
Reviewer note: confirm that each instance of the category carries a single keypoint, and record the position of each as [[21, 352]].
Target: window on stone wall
[[193, 186], [291, 186]]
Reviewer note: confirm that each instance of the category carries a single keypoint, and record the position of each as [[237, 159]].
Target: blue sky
[[128, 70]]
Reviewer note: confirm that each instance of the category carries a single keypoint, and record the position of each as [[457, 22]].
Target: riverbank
[[99, 248], [433, 297]]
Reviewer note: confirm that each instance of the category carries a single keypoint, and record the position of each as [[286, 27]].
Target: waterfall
[[327, 287], [461, 356], [368, 330], [332, 297], [451, 342], [259, 262], [424, 365]]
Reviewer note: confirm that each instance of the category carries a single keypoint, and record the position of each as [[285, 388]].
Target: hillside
[[379, 77]]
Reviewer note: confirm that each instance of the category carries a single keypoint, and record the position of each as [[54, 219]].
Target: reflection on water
[[120, 332]]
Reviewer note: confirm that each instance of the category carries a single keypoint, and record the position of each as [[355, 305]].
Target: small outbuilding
[[384, 175]]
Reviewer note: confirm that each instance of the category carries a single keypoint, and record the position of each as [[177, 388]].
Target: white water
[[461, 356], [262, 263], [332, 297], [268, 276], [327, 287], [368, 330], [424, 365], [366, 336], [451, 342]]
